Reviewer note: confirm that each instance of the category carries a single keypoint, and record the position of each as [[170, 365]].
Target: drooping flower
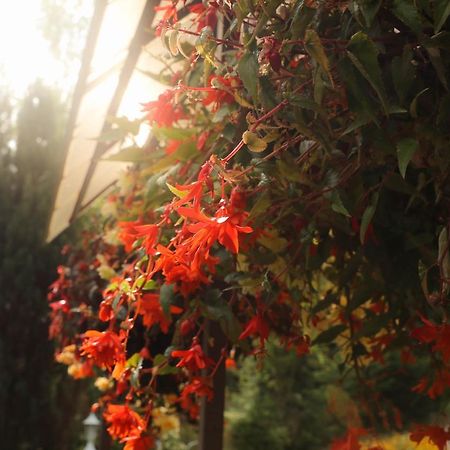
[[152, 312], [197, 387], [224, 227], [257, 326], [193, 359], [206, 15], [439, 335], [132, 231], [123, 421], [104, 348], [220, 94], [143, 442], [164, 111]]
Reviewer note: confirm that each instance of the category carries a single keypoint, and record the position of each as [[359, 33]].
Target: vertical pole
[[211, 412]]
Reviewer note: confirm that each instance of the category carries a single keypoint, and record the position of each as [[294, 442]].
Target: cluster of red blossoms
[[128, 427]]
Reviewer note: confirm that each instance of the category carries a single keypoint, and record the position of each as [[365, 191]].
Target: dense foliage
[[296, 185]]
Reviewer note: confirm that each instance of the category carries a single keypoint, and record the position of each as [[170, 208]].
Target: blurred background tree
[[40, 407], [37, 400], [292, 403]]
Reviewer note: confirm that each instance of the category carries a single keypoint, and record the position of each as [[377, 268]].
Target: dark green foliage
[[36, 399], [282, 406]]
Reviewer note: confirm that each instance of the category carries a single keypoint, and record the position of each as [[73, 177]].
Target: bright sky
[[25, 55]]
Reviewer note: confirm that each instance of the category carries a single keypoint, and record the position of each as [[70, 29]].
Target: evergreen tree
[[35, 397]]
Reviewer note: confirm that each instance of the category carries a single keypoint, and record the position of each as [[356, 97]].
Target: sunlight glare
[[25, 55]]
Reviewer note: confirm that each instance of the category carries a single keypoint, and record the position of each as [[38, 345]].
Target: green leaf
[[253, 142], [405, 151], [185, 152], [274, 242], [303, 15], [169, 133], [441, 13], [403, 73], [358, 100], [267, 93], [134, 361], [330, 334], [367, 217], [371, 327], [407, 12], [438, 64], [337, 205], [305, 103], [206, 46], [248, 69], [216, 308], [369, 9], [330, 299], [166, 297], [364, 55], [414, 103], [173, 42], [315, 49], [177, 192], [149, 285], [260, 206]]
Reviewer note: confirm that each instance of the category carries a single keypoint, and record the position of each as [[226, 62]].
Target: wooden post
[[211, 413]]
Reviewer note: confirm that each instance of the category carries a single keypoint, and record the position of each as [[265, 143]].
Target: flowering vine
[[293, 188]]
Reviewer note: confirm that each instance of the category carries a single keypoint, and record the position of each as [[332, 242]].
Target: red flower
[[163, 111], [257, 326], [207, 16], [436, 434], [170, 11], [350, 441], [224, 227], [150, 309], [132, 231], [172, 146], [301, 344], [439, 334], [437, 388], [271, 53], [220, 92], [124, 422], [105, 348], [199, 387], [138, 442], [193, 359]]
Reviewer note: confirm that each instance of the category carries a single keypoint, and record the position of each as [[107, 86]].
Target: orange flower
[[193, 359], [139, 443], [163, 111], [257, 326], [198, 387], [152, 313], [220, 95], [124, 422], [224, 227], [437, 334], [132, 231], [105, 348]]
